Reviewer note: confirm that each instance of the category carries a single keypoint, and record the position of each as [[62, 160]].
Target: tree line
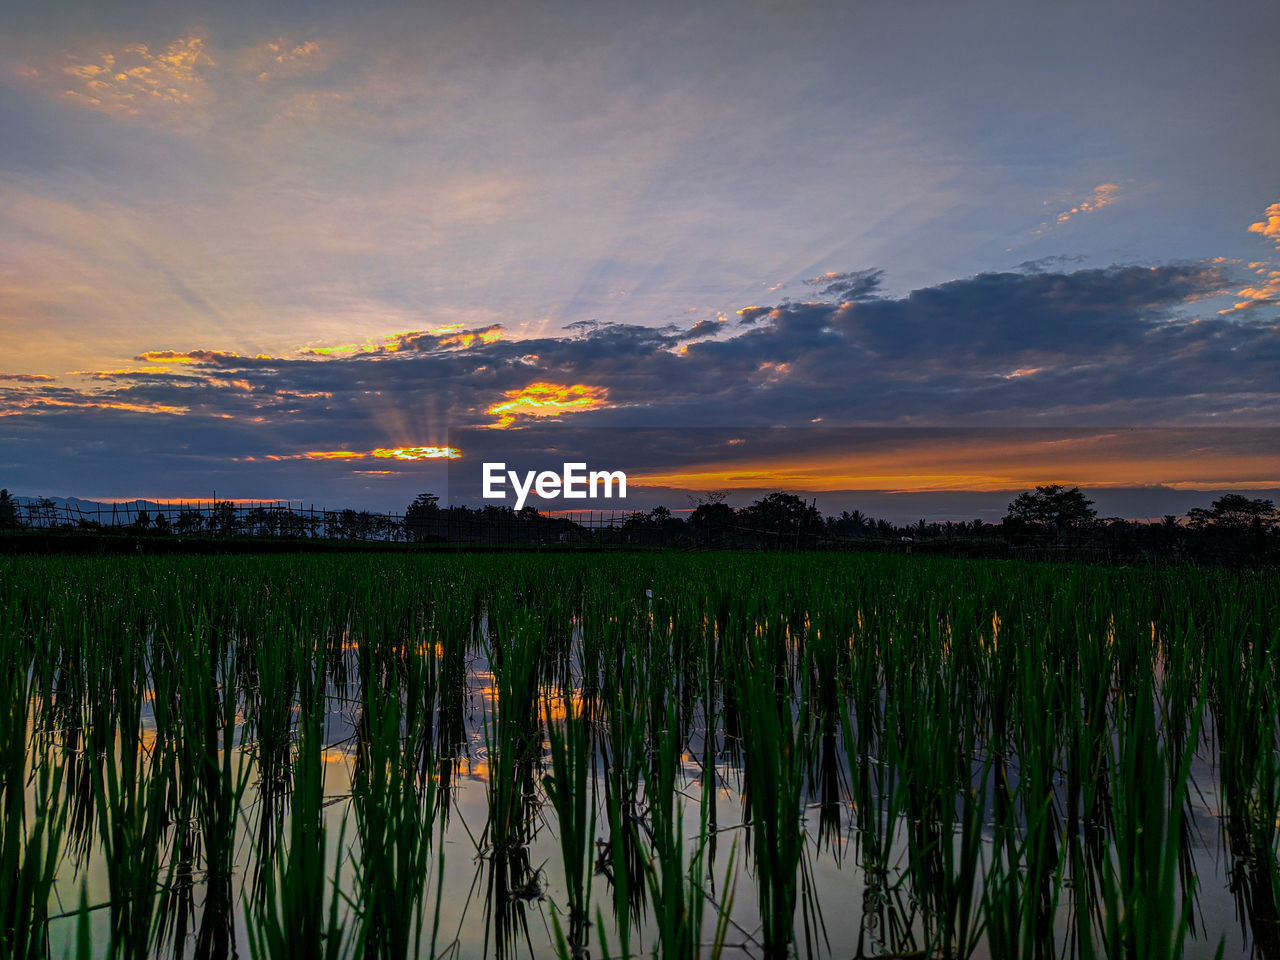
[[1050, 516]]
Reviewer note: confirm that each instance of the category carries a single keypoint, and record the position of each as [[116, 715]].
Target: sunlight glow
[[543, 399], [379, 453]]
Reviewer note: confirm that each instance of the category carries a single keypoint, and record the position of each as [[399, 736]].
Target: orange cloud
[[379, 453], [338, 351], [490, 334], [547, 400], [1103, 195], [279, 59], [416, 453], [168, 356], [135, 79], [29, 404], [123, 372], [195, 356], [452, 335], [1270, 227], [1266, 290]]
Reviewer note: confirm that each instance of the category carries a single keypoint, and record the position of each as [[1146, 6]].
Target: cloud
[[1041, 264], [540, 399], [14, 403], [1270, 227], [215, 358], [137, 81], [1103, 195], [279, 59], [750, 315], [1114, 345], [855, 285], [407, 454], [1265, 291], [134, 80]]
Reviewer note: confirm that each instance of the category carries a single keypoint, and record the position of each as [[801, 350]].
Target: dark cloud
[[1103, 346], [705, 328], [854, 285], [1006, 317], [1041, 264]]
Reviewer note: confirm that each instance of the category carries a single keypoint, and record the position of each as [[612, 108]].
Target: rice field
[[678, 756]]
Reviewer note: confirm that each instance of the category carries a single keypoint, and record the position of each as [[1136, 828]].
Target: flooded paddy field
[[737, 755]]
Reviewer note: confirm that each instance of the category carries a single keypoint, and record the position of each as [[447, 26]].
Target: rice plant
[[307, 755]]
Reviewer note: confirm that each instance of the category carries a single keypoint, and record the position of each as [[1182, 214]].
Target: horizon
[[1126, 504], [289, 254]]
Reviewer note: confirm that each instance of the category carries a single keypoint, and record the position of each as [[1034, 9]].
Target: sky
[[283, 250]]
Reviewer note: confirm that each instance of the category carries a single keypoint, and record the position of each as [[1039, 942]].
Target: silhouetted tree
[[421, 516], [1235, 511], [1052, 506], [222, 519], [779, 509], [8, 511], [189, 521], [45, 513], [711, 519], [712, 516], [782, 517], [288, 523], [257, 522], [356, 525]]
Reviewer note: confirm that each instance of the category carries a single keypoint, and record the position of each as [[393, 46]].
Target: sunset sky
[[281, 251]]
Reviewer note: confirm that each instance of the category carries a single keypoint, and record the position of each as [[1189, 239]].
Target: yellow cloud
[[416, 453], [1103, 195], [1266, 290], [379, 453], [194, 356], [1270, 227], [280, 59], [168, 356], [465, 338], [547, 400], [449, 336], [119, 372], [135, 79], [37, 404]]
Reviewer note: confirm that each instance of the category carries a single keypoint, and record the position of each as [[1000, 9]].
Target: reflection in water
[[836, 772]]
